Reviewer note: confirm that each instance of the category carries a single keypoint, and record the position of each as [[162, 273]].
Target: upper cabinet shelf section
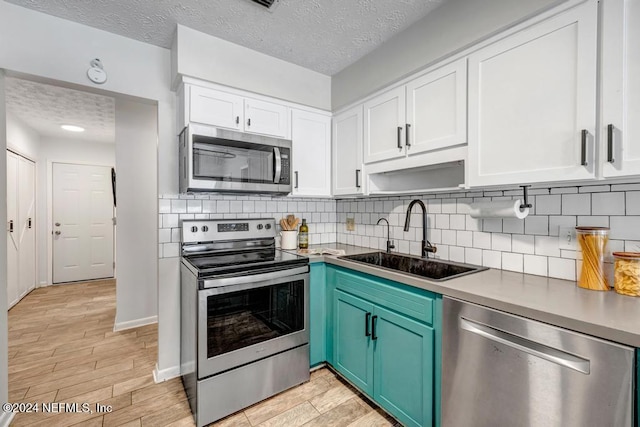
[[428, 113]]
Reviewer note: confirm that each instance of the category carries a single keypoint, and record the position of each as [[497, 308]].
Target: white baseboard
[[160, 375], [130, 324], [5, 418]]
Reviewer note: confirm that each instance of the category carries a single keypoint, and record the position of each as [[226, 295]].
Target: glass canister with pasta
[[627, 273], [593, 244]]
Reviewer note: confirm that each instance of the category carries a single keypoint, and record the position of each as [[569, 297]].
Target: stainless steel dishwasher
[[501, 370]]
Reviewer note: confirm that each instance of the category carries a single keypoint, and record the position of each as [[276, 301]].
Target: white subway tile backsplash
[[457, 222], [594, 188], [473, 256], [169, 220], [576, 204], [465, 238], [442, 221], [170, 250], [536, 225], [548, 204], [492, 259], [164, 206], [175, 235], [178, 206], [593, 221], [512, 262], [513, 226], [632, 246], [555, 222], [608, 203], [481, 240], [561, 268], [164, 235], [625, 227], [473, 224], [564, 190], [194, 206], [493, 225], [449, 237], [547, 245], [534, 264], [522, 244], [501, 242], [633, 202], [449, 206], [456, 253]]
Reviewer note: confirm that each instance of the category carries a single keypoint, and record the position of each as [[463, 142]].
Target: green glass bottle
[[303, 235]]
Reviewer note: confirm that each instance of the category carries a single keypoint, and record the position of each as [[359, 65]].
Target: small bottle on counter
[[303, 235]]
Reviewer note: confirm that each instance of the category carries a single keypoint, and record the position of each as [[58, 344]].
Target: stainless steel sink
[[431, 269]]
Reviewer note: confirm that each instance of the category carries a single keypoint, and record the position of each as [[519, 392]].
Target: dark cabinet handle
[[583, 149], [237, 120], [400, 137], [29, 223], [10, 226], [373, 328], [367, 318], [610, 158], [406, 136], [358, 178], [249, 122], [296, 173]]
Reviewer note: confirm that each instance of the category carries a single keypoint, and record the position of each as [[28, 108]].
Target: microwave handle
[[277, 172]]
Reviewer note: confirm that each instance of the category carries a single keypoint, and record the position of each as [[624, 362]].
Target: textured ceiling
[[44, 108], [322, 35]]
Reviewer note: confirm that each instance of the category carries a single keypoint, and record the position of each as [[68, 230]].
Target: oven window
[[223, 160], [244, 318]]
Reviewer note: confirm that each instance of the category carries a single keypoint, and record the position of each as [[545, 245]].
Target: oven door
[[247, 318]]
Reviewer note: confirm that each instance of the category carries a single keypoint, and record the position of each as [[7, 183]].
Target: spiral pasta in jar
[[593, 244], [627, 273]]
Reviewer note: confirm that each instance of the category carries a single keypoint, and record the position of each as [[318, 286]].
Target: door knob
[[57, 232], [57, 224]]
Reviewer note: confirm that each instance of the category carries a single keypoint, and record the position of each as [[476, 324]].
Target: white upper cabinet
[[384, 120], [221, 109], [532, 102], [311, 138], [347, 152], [437, 109], [426, 114], [620, 134]]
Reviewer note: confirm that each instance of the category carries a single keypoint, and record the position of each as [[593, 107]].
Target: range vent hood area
[[440, 177]]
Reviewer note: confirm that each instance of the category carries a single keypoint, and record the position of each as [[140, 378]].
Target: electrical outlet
[[351, 224], [567, 238]]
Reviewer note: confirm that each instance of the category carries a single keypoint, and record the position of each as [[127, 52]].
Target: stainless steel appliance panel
[[260, 335], [504, 370], [188, 336], [262, 379]]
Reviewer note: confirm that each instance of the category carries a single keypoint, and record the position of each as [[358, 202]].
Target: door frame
[[50, 163]]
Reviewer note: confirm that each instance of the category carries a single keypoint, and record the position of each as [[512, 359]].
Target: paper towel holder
[[526, 204]]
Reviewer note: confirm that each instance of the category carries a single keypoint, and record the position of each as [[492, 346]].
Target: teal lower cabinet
[[384, 342], [317, 314]]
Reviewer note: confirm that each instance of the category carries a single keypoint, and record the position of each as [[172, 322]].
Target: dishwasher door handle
[[531, 347]]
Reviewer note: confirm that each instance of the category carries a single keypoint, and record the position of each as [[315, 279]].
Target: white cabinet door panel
[[311, 139], [621, 88], [530, 96], [384, 120], [13, 240], [437, 109], [347, 152], [26, 225], [266, 118], [216, 108]]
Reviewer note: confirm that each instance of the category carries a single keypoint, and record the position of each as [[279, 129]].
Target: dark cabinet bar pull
[[610, 158], [400, 137], [373, 328], [29, 223], [367, 318], [406, 135], [583, 149], [237, 120], [249, 122], [296, 173], [357, 178], [11, 226]]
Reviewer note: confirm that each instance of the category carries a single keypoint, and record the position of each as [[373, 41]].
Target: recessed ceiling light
[[72, 128]]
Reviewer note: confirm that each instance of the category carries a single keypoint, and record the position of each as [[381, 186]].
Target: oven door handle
[[277, 170], [254, 279]]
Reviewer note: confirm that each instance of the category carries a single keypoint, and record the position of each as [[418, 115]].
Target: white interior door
[[13, 241], [26, 226], [82, 223]]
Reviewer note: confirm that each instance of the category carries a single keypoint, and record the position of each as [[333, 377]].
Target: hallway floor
[[62, 348]]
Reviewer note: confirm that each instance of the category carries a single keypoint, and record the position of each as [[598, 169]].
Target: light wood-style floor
[[62, 348]]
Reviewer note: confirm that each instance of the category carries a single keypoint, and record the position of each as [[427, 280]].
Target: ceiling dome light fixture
[[72, 128]]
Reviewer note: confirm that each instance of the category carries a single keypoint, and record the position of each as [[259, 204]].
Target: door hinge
[[114, 265], [114, 220]]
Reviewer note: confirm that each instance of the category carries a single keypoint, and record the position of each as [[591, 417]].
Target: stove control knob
[[267, 226], [205, 228], [194, 229], [259, 226]]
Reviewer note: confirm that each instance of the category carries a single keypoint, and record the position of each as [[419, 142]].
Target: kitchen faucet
[[389, 243], [426, 245]]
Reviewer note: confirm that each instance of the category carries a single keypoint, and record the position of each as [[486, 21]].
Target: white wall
[[209, 58], [21, 138], [451, 27], [58, 150], [4, 355], [136, 193]]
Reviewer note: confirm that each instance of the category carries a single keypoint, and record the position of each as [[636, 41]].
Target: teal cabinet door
[[353, 352], [317, 314], [403, 367]]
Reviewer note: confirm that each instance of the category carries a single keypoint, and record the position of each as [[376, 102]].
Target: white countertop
[[606, 315]]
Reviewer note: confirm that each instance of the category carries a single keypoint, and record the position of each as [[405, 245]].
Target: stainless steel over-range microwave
[[221, 160]]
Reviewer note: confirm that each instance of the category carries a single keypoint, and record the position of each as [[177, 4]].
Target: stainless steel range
[[244, 317]]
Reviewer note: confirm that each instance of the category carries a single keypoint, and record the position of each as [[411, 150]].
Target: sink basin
[[431, 269]]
